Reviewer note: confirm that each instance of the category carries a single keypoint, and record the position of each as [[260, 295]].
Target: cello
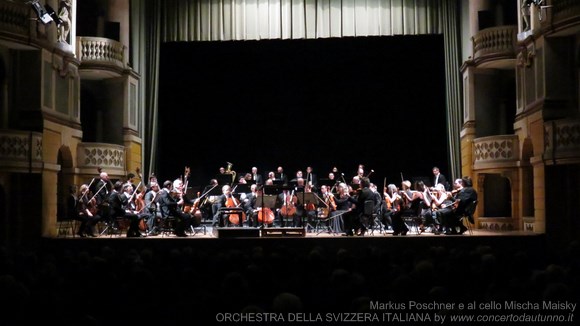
[[265, 214], [234, 218], [289, 207]]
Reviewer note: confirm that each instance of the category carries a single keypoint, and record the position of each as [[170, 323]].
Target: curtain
[[223, 20]]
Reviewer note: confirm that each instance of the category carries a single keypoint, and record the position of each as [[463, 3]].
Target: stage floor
[[308, 232]]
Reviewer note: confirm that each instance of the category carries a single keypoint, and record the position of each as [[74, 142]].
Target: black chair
[[412, 216], [467, 217], [373, 217], [67, 225], [165, 224]]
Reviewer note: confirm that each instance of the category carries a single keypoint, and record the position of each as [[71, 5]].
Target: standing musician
[[311, 178], [280, 175], [87, 212], [343, 206], [256, 177], [354, 220]]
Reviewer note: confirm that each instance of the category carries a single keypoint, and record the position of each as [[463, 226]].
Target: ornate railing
[[498, 41], [562, 139], [20, 149], [102, 51], [496, 149], [101, 155], [15, 19]]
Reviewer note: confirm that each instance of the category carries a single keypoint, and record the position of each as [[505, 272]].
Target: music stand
[[224, 178], [326, 182], [242, 188], [275, 190], [192, 192]]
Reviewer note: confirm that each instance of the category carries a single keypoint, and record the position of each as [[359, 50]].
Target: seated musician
[[186, 204], [441, 200], [309, 204], [329, 202], [226, 200], [169, 199], [450, 216], [152, 205], [249, 205], [86, 212], [415, 201], [122, 206], [394, 205], [287, 207]]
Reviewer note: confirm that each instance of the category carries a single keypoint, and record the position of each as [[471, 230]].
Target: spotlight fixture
[[45, 13]]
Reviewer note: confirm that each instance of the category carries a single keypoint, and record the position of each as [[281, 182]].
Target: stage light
[[45, 13]]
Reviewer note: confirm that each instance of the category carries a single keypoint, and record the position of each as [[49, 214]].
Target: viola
[[92, 206]]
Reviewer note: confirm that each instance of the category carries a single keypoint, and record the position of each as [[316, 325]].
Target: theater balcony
[[562, 141], [498, 151], [495, 47], [562, 17], [20, 151], [94, 156], [101, 58], [17, 28]]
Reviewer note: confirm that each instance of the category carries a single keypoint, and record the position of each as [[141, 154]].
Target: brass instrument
[[230, 171]]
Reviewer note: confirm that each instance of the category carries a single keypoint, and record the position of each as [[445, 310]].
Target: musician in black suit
[[354, 220], [451, 216], [249, 205], [280, 175], [101, 190], [121, 207], [439, 178], [168, 203], [311, 178], [257, 177]]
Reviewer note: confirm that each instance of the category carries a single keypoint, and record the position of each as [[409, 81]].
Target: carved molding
[[101, 155], [499, 148]]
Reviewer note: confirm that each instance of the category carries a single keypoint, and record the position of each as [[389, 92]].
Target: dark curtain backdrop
[[377, 101]]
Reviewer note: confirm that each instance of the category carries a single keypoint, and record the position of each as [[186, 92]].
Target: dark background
[[377, 101]]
